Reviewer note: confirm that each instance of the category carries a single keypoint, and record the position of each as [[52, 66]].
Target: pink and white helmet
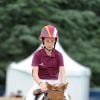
[[49, 31]]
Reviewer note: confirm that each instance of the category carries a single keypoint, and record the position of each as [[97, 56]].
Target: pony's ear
[[49, 86], [64, 86]]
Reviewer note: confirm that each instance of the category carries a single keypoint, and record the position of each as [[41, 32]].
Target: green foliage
[[77, 21], [80, 5]]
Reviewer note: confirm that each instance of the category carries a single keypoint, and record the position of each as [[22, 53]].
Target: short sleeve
[[61, 61], [35, 60]]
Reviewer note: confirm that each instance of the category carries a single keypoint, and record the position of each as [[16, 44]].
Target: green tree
[[77, 21]]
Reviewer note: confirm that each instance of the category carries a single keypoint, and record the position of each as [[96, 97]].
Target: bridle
[[53, 92]]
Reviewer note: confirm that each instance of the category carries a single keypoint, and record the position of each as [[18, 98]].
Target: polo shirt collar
[[45, 54]]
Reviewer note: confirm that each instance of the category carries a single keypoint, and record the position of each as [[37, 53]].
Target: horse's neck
[[41, 96]]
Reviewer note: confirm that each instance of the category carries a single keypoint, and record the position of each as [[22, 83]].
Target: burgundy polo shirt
[[48, 65]]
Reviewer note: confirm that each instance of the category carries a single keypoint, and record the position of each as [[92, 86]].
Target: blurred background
[[77, 21]]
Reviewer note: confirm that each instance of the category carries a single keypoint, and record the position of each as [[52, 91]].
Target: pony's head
[[54, 92]]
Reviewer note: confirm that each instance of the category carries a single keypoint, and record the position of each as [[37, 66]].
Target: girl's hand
[[43, 86]]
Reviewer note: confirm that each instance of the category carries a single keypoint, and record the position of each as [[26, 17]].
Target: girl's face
[[49, 43]]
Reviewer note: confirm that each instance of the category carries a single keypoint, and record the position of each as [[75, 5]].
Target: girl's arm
[[37, 79], [35, 74], [62, 76]]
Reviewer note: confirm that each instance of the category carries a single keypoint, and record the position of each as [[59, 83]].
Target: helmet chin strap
[[48, 49]]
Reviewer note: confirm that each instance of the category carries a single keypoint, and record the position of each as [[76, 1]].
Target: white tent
[[19, 77]]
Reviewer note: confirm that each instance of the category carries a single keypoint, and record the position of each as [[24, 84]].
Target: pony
[[54, 92]]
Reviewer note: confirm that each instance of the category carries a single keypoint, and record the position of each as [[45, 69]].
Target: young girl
[[47, 63]]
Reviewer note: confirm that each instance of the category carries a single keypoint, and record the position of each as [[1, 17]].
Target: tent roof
[[72, 68]]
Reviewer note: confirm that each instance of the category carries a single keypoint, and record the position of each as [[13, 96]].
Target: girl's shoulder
[[38, 52], [57, 52]]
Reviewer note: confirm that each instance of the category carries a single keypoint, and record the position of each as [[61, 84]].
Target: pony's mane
[[53, 92]]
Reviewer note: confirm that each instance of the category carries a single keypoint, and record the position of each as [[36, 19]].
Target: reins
[[53, 92]]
